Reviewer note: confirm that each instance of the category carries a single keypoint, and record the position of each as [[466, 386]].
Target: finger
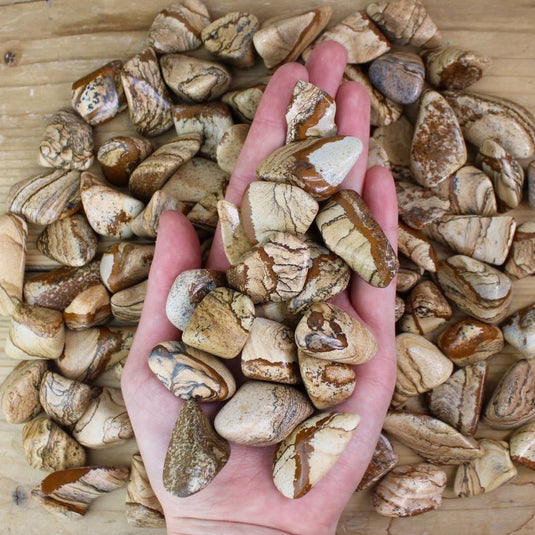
[[353, 119], [326, 65]]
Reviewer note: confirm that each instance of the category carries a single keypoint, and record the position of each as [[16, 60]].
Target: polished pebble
[[471, 192], [519, 330], [415, 246], [230, 145], [383, 460], [521, 261], [89, 308], [522, 445]]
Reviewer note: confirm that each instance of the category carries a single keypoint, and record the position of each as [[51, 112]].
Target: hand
[[242, 498]]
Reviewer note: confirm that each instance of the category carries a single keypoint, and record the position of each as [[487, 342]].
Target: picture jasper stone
[[383, 460], [522, 445], [326, 331], [274, 271], [476, 288], [399, 75], [89, 308], [270, 353], [316, 165], [244, 101], [190, 373], [126, 305], [149, 103], [311, 450], [519, 331], [221, 323], [310, 113], [521, 262], [195, 455], [262, 414], [415, 246], [99, 96], [235, 242], [230, 145], [438, 148], [349, 230], [471, 192]]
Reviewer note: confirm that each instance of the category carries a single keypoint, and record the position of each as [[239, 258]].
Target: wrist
[[194, 526]]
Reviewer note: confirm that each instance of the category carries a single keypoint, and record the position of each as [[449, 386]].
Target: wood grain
[[46, 45]]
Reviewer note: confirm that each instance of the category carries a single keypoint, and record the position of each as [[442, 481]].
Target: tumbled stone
[[426, 309], [410, 490], [438, 147], [262, 414], [383, 111], [193, 79], [99, 96], [187, 291], [67, 142], [327, 383], [149, 103], [376, 155], [399, 75], [470, 341], [409, 274], [316, 165], [48, 447], [483, 238], [432, 439], [19, 391], [70, 241], [89, 308], [58, 287], [519, 330], [190, 373], [418, 206], [105, 422], [484, 117], [494, 469], [475, 287], [195, 455], [358, 35], [221, 323], [530, 174], [244, 101], [310, 451], [230, 145], [522, 445], [210, 120], [230, 38], [421, 366], [506, 173], [521, 262], [274, 271], [512, 402], [235, 242], [349, 230], [108, 210], [414, 245], [91, 352], [269, 207], [326, 331], [327, 276], [127, 304], [471, 192], [405, 22], [399, 308], [270, 353], [120, 155], [452, 67], [310, 113], [458, 401], [35, 332], [64, 400], [124, 264], [396, 139], [178, 27], [283, 39], [42, 199], [13, 235], [383, 460]]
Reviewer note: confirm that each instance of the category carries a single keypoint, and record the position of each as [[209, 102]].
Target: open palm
[[243, 498]]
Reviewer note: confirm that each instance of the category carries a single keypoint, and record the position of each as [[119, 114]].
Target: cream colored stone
[[519, 330], [521, 262], [235, 242], [230, 145], [88, 309], [471, 192], [414, 245]]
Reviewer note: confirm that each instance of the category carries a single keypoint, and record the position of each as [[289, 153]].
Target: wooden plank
[[45, 46]]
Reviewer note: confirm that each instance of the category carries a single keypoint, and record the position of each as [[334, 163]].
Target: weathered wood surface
[[46, 45]]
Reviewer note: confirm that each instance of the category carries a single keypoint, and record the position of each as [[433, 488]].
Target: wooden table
[[46, 45]]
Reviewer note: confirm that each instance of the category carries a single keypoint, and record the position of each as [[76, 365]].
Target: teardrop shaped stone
[[195, 455]]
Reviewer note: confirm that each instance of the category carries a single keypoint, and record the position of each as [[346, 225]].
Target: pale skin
[[242, 498]]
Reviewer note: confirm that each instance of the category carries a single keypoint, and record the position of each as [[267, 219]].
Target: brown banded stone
[[221, 323], [244, 101], [235, 242], [89, 308], [414, 245], [327, 332], [99, 96], [349, 230], [396, 138], [383, 460], [262, 414], [522, 445], [127, 304], [521, 262], [149, 103], [471, 192], [316, 165], [230, 145], [311, 450], [530, 175], [274, 271], [519, 330], [408, 276]]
